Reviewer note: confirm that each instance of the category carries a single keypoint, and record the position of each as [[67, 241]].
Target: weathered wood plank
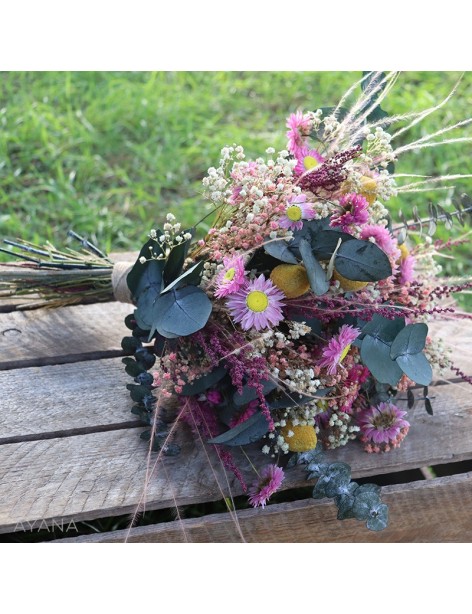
[[104, 474], [432, 511], [46, 401], [55, 336], [457, 337]]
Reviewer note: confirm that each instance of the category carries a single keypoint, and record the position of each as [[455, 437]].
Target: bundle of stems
[[48, 277]]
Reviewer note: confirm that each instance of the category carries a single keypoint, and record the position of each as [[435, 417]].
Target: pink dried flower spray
[[269, 481]]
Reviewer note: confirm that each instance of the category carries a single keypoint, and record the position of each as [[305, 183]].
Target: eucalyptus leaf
[[428, 406], [364, 503], [175, 261], [137, 392], [192, 277], [375, 355], [316, 275], [132, 368], [383, 328], [362, 261], [416, 367], [181, 312], [281, 251], [130, 344], [249, 393], [325, 242], [201, 384], [410, 340], [334, 478], [378, 518], [309, 231], [253, 429], [134, 279]]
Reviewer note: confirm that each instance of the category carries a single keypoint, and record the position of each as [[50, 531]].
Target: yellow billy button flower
[[292, 279], [304, 437], [349, 285]]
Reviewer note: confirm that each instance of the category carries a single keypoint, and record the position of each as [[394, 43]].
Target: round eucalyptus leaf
[[181, 312]]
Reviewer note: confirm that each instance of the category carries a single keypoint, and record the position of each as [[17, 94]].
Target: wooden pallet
[[70, 449]]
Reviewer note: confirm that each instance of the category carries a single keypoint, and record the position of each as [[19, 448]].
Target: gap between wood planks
[[72, 432]]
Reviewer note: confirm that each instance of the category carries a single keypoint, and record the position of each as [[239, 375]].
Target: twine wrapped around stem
[[118, 281]]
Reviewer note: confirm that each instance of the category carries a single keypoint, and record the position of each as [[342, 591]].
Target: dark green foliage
[[389, 349], [203, 383], [375, 354], [410, 340], [181, 312], [325, 242], [280, 250], [253, 429], [168, 300], [132, 367], [316, 275], [130, 344], [416, 367], [334, 481], [249, 393], [142, 275], [175, 262], [192, 277], [362, 261]]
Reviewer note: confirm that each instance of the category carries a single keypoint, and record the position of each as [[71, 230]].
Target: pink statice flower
[[382, 427], [382, 239], [269, 481], [306, 159], [258, 304], [338, 347], [353, 212], [296, 211], [299, 125], [407, 266], [231, 278]]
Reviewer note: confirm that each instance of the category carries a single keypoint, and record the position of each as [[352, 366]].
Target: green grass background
[[109, 153]]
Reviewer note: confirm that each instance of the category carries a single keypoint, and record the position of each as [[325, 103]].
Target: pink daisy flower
[[269, 481], [407, 266], [298, 125], [307, 159], [231, 278], [338, 347], [383, 239], [382, 427], [258, 304], [296, 211], [353, 213]]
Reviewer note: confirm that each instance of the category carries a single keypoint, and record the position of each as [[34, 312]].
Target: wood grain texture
[[40, 401], [457, 337], [56, 336], [431, 511], [104, 474]]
